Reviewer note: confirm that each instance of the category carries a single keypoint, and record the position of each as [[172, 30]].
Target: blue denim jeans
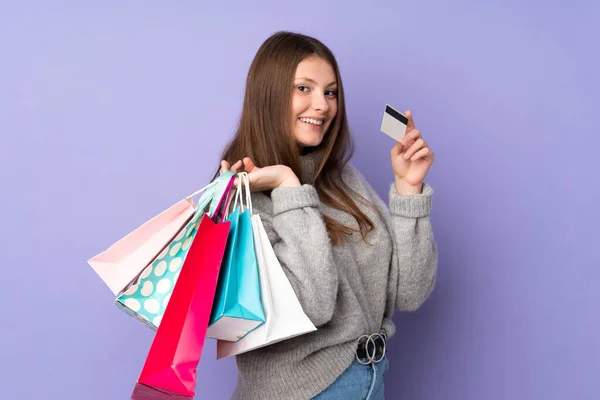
[[358, 382]]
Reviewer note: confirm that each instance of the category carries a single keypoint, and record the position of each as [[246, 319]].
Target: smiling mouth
[[315, 122]]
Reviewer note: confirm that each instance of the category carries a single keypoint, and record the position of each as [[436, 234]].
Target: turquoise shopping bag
[[237, 309]]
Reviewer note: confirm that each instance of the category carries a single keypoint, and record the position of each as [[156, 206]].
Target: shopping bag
[[118, 265], [284, 315], [238, 307], [170, 368], [147, 299]]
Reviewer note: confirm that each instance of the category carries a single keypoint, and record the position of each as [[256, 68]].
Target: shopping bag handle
[[243, 186], [245, 180], [224, 202], [210, 185], [212, 197]]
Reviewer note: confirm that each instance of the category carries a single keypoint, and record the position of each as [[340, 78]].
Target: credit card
[[394, 123]]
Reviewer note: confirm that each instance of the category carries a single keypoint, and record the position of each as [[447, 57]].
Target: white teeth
[[312, 121]]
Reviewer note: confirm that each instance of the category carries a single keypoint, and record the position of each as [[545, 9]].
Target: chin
[[310, 142]]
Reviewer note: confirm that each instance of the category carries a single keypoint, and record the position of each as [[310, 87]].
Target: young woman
[[350, 259]]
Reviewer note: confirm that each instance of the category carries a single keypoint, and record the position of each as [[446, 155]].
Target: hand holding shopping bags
[[202, 275]]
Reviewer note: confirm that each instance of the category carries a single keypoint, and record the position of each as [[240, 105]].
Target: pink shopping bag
[[122, 262]]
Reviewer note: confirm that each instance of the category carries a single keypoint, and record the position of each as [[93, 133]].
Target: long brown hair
[[264, 131]]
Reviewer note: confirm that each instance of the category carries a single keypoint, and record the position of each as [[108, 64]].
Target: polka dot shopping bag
[[147, 298]]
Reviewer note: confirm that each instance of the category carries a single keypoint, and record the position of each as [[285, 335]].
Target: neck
[[310, 159]]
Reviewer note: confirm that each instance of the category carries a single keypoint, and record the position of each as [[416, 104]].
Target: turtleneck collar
[[310, 163]]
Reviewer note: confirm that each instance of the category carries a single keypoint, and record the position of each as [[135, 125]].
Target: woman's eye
[[331, 93], [303, 88]]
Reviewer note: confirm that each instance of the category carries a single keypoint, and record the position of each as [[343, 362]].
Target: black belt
[[371, 348]]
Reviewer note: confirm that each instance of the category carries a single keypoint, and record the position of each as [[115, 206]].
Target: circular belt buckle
[[373, 338], [370, 346], [361, 342]]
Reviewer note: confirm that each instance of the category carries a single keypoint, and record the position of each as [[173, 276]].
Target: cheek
[[298, 106], [333, 109]]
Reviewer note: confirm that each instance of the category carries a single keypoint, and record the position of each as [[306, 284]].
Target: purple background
[[109, 113]]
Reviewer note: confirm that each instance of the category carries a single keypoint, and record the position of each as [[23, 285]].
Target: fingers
[[249, 165], [416, 146], [420, 154], [225, 166], [236, 166], [408, 142], [410, 136]]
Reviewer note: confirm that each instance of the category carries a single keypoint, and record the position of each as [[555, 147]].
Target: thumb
[[411, 122]]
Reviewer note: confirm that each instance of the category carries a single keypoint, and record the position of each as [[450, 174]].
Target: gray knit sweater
[[347, 290]]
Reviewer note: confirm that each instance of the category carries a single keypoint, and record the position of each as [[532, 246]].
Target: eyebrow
[[314, 82]]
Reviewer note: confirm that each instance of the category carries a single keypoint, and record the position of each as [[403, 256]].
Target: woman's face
[[314, 101]]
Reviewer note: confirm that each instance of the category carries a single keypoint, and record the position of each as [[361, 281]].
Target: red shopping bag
[[170, 368]]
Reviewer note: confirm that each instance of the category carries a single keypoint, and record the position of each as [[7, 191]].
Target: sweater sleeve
[[415, 245], [299, 238]]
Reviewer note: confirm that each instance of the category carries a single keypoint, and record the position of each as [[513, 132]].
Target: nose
[[319, 102]]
